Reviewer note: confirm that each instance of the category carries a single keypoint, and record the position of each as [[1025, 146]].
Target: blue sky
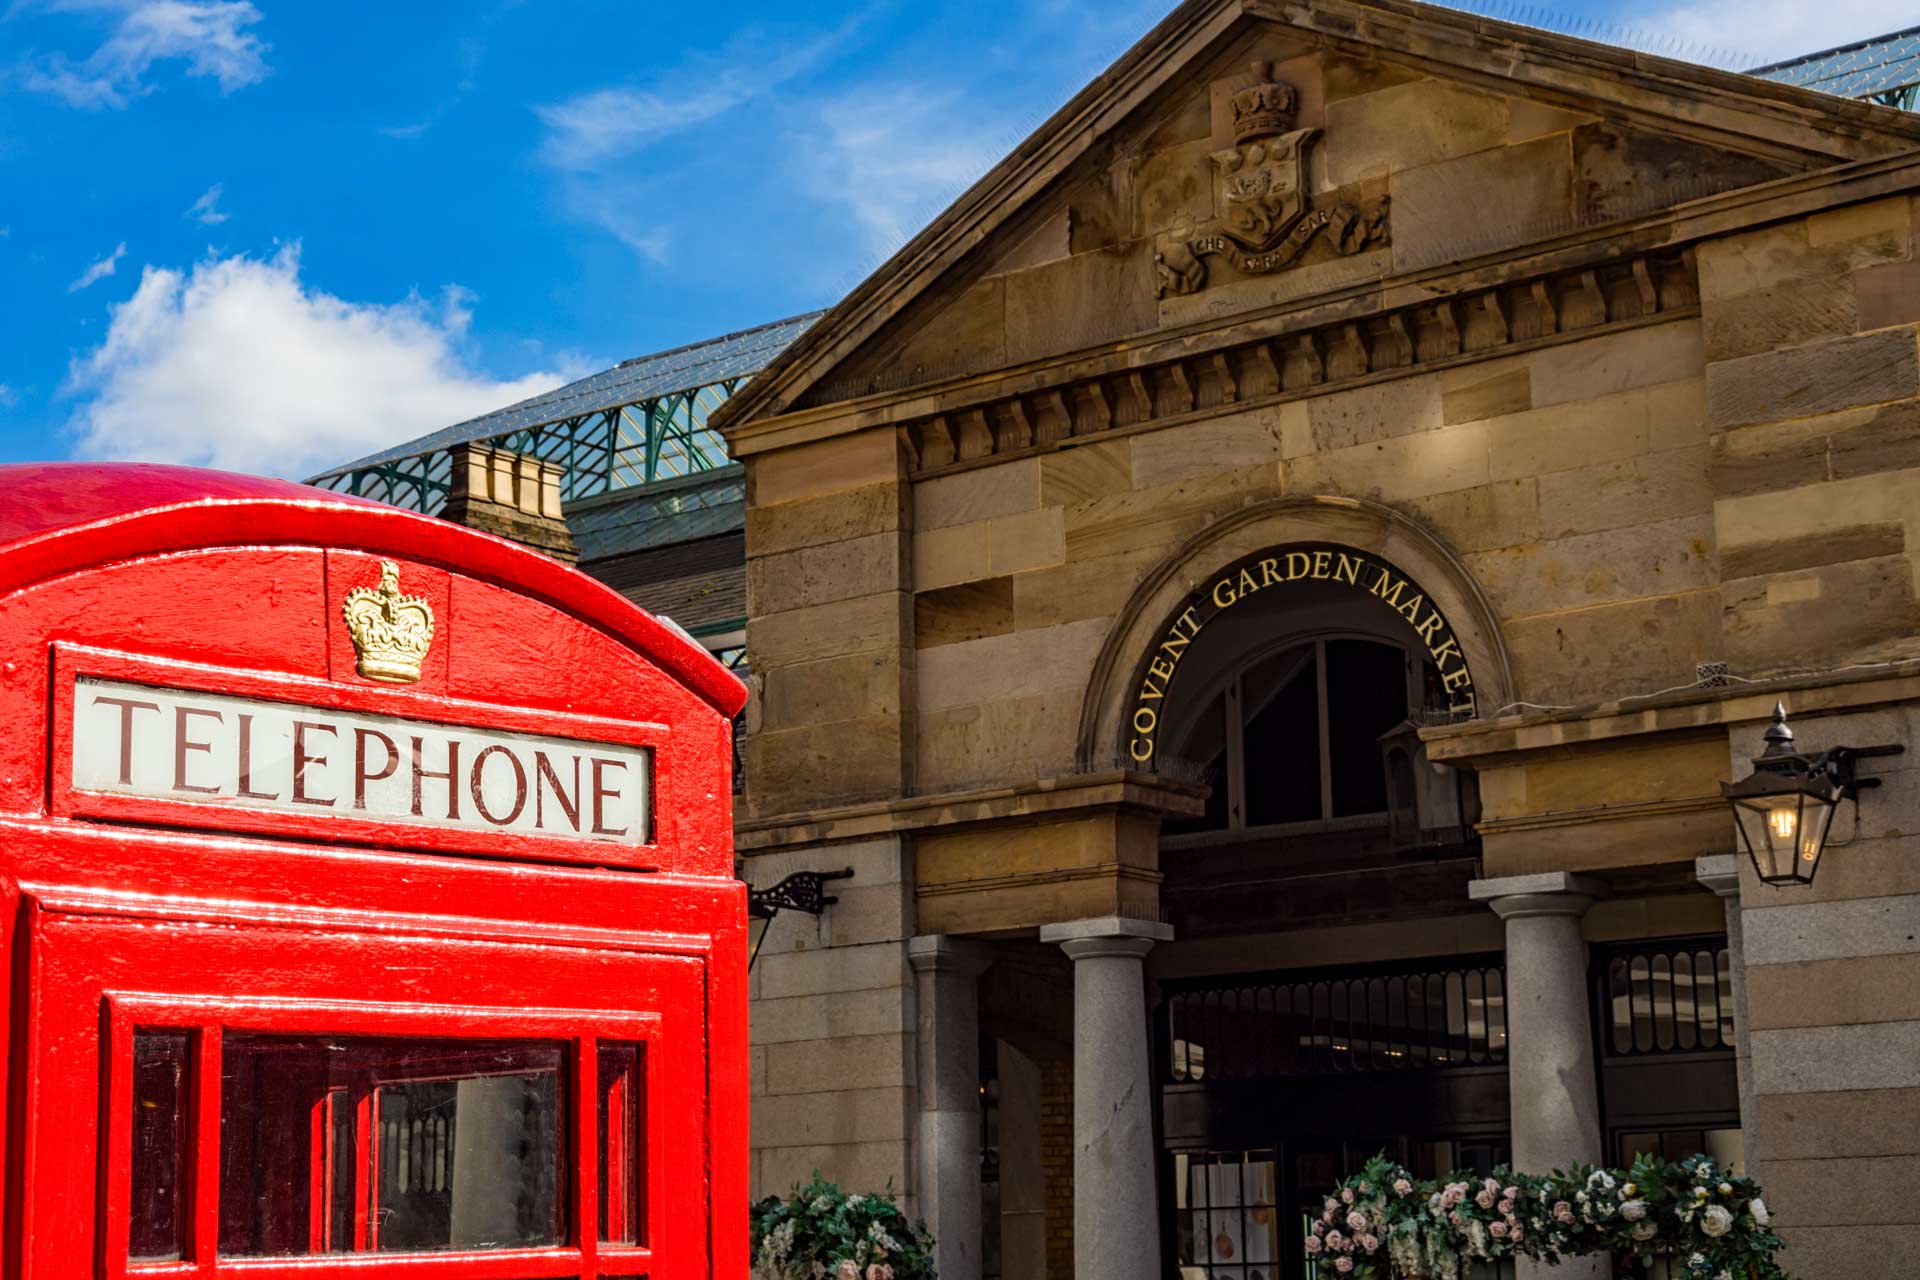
[[272, 235]]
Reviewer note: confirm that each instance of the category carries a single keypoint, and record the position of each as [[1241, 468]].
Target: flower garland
[[820, 1233], [1384, 1224]]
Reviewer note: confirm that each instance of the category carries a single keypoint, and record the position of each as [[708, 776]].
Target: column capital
[[1544, 893], [1720, 872], [1106, 936], [944, 953]]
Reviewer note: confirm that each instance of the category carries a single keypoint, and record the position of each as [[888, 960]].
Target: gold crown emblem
[[391, 632], [1264, 107]]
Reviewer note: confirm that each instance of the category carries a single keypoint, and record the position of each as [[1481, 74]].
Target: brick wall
[[1056, 1157]]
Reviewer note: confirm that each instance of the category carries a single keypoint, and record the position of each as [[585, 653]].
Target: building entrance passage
[[1277, 1087], [366, 888]]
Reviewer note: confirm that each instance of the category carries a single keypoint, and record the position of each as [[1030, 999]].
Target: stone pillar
[[948, 1054], [1721, 873], [1116, 1218], [1550, 1061]]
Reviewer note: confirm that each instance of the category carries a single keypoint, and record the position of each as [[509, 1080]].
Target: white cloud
[[1738, 34], [895, 158], [8, 396], [100, 270], [206, 210], [239, 364], [210, 36], [595, 127], [587, 131]]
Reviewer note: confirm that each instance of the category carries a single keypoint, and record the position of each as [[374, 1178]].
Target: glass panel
[[1282, 740], [1203, 758], [157, 1227], [1663, 1015], [1619, 1006], [622, 1143], [1366, 696], [349, 1145]]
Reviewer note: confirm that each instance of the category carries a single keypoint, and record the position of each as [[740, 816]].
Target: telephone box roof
[[60, 517]]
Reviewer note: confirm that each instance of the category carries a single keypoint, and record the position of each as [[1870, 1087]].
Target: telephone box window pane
[[622, 1143], [158, 1205], [347, 1145]]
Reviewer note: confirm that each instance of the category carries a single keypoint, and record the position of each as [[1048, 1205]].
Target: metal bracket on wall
[[801, 891]]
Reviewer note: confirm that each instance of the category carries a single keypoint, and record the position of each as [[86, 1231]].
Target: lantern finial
[[1779, 736]]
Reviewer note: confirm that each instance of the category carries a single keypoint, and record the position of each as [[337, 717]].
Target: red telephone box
[[368, 898]]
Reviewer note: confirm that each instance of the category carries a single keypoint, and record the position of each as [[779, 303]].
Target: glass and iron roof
[[1885, 69], [642, 421]]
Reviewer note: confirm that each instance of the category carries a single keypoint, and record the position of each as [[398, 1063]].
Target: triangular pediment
[[1249, 155]]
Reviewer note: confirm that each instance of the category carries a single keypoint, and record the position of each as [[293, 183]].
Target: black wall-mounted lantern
[[1431, 808], [803, 891], [1785, 808]]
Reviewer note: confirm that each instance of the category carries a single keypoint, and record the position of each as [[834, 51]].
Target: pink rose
[[1514, 1227], [1331, 1205], [1484, 1199], [1511, 1193], [1314, 1245], [1497, 1228], [1563, 1212], [1343, 1264], [1402, 1187], [1505, 1206], [879, 1271], [1335, 1240], [1491, 1185], [1357, 1220], [1346, 1194], [1365, 1189], [1371, 1243], [847, 1270]]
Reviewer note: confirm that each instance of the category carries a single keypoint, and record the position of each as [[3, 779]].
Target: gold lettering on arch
[[1264, 571]]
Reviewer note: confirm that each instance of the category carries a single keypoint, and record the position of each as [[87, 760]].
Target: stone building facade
[[1330, 367]]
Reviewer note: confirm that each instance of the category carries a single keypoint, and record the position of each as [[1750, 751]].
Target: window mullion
[[1326, 730], [204, 1184]]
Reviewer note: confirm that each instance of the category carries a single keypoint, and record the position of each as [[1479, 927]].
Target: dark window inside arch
[[1293, 737]]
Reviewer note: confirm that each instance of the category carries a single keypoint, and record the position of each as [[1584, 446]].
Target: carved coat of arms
[[1260, 194]]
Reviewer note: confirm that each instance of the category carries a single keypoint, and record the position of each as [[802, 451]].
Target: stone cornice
[[1482, 742], [1721, 108], [1106, 789], [1746, 114], [1600, 813], [1605, 250]]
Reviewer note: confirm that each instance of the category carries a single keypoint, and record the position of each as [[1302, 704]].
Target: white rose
[[1716, 1221], [1758, 1208], [1645, 1230], [1634, 1210]]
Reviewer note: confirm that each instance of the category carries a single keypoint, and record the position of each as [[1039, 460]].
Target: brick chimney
[[510, 494]]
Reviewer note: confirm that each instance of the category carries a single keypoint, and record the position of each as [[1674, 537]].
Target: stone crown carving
[[1263, 108]]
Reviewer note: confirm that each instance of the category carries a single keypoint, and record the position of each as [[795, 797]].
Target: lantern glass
[[1784, 820]]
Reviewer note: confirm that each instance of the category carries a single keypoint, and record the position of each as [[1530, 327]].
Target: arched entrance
[[1309, 1015]]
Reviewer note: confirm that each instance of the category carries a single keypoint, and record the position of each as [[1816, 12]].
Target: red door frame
[[207, 1018]]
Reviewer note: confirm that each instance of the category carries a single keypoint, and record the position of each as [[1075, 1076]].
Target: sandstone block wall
[[1814, 407], [1833, 998], [1573, 481], [831, 1027]]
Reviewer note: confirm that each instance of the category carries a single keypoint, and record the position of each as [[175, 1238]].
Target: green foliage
[[820, 1233], [1385, 1225]]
